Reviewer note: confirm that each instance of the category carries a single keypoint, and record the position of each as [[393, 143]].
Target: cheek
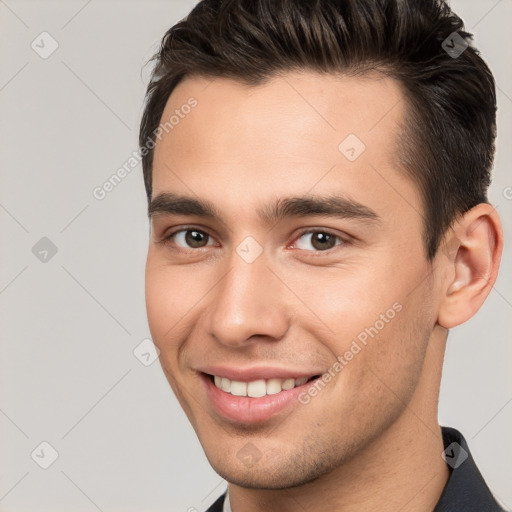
[[394, 357], [370, 318], [376, 385], [158, 304], [343, 300], [166, 303], [166, 313]]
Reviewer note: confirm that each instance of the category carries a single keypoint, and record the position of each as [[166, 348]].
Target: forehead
[[284, 136], [308, 105]]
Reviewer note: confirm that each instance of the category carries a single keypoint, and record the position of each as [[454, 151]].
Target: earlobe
[[471, 264]]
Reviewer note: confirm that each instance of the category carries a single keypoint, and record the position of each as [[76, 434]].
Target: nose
[[248, 304]]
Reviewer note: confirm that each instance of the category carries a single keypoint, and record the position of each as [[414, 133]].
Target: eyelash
[[343, 241]]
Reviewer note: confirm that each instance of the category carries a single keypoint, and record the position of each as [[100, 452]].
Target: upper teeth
[[257, 388]]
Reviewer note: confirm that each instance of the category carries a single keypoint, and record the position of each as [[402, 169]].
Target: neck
[[402, 469]]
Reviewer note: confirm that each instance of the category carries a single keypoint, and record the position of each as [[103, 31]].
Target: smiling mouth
[[258, 388]]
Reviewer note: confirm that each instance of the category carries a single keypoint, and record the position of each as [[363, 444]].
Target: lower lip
[[243, 409]]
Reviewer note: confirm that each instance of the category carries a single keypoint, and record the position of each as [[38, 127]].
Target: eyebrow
[[286, 207]]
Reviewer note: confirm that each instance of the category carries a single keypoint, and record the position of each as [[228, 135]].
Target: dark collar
[[465, 491], [217, 506]]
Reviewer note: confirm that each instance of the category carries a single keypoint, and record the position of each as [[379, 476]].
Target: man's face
[[254, 298]]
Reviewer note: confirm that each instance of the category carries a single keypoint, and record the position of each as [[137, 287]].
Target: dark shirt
[[465, 491]]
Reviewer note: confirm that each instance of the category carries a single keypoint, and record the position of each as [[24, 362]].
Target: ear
[[475, 244]]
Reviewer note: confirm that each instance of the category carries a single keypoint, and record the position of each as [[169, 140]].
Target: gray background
[[68, 374]]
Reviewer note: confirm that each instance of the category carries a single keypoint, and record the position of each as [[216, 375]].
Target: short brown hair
[[446, 144]]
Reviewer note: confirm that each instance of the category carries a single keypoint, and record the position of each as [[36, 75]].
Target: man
[[316, 173]]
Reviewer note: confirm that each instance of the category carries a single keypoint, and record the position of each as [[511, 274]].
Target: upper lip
[[252, 373]]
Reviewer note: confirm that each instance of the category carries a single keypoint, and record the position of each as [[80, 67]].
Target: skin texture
[[372, 431]]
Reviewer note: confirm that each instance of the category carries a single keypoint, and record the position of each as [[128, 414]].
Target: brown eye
[[196, 238], [318, 241], [189, 239]]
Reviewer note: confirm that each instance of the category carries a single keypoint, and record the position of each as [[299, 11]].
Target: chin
[[283, 471], [261, 479]]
